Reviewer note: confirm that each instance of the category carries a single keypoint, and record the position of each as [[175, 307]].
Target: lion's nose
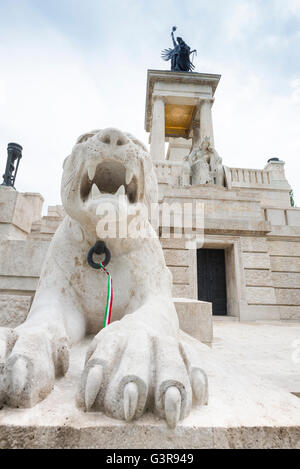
[[113, 137]]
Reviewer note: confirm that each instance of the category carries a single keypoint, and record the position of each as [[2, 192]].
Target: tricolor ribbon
[[109, 299]]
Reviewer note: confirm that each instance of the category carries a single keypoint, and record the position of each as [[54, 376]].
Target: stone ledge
[[243, 412], [147, 436]]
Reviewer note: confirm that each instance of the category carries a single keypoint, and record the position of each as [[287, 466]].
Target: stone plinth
[[18, 212], [243, 412], [20, 268], [195, 318]]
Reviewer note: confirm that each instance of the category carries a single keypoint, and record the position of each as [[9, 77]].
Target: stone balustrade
[[168, 172], [171, 172], [242, 176]]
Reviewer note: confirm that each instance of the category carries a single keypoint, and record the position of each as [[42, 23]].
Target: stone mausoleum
[[248, 265]]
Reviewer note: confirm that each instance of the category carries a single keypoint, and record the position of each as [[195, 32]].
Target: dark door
[[212, 279]]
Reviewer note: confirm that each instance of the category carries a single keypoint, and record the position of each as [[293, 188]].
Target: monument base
[[243, 412]]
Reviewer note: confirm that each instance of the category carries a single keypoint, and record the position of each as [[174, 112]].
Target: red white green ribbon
[[109, 299]]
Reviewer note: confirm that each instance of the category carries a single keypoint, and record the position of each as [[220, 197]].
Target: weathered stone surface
[[182, 291], [258, 278], [195, 318], [36, 201], [286, 279], [7, 204], [258, 312], [276, 216], [50, 224], [266, 349], [18, 210], [254, 244], [234, 209], [172, 243], [14, 309], [288, 296], [18, 284], [284, 248], [181, 275], [9, 231], [293, 216], [289, 312], [178, 257], [285, 264], [261, 295], [256, 261], [22, 258]]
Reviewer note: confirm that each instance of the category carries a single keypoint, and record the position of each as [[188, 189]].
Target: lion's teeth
[[95, 192], [92, 170], [121, 191], [129, 175]]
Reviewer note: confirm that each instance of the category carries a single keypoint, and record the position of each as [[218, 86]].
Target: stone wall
[[251, 220]]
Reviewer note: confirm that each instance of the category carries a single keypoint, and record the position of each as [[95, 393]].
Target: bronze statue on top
[[180, 55]]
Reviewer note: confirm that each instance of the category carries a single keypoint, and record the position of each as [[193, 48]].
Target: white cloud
[[243, 19], [295, 85], [253, 125], [287, 7], [49, 96]]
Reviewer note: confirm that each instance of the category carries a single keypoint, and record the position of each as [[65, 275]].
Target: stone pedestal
[[178, 148], [243, 412]]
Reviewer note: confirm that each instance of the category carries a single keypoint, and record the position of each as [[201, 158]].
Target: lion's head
[[104, 164]]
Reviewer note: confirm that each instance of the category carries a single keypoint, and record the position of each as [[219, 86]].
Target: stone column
[[157, 146], [206, 124], [196, 134]]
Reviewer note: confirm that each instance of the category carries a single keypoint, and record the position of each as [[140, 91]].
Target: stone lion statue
[[137, 363]]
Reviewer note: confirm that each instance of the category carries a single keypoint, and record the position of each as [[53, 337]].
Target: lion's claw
[[143, 372], [93, 383], [131, 394], [199, 386], [172, 406], [28, 364], [19, 374]]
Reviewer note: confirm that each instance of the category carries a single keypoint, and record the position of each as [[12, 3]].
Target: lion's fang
[[129, 176], [92, 170], [95, 192]]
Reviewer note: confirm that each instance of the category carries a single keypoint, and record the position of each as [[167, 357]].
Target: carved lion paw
[[29, 362], [130, 371]]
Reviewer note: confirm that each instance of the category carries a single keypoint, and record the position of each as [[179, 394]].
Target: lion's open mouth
[[109, 177]]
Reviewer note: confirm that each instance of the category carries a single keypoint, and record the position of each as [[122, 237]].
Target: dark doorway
[[212, 279]]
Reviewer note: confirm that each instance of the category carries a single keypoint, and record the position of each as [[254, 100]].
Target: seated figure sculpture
[[140, 361], [199, 161], [205, 165]]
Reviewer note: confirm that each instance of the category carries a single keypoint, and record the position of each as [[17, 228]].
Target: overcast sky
[[69, 66]]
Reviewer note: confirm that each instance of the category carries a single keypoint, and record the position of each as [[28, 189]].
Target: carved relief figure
[[139, 362]]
